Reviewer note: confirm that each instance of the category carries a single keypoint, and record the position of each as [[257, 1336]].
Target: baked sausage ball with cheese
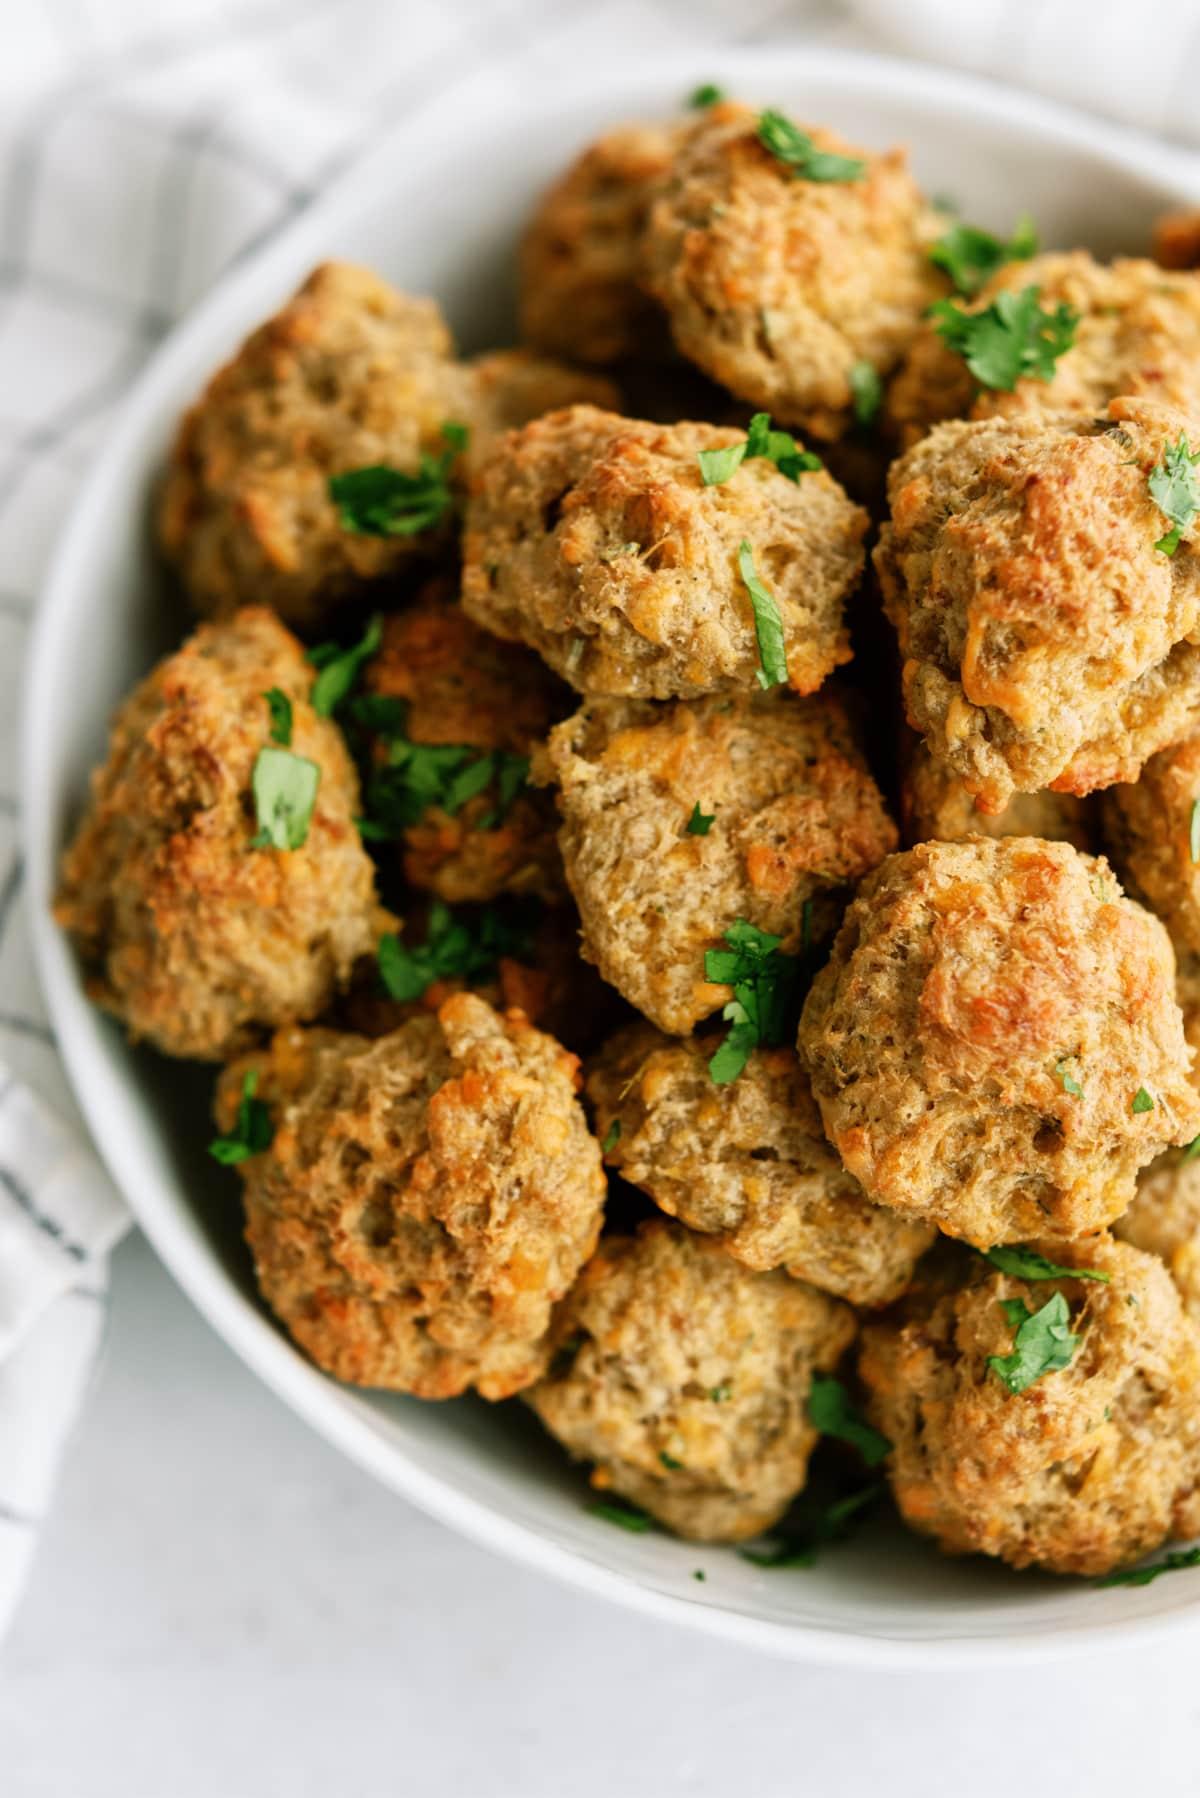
[[684, 1379], [934, 805], [1137, 332], [194, 934], [994, 1042], [580, 262], [1046, 639], [748, 1163], [780, 277], [1149, 829], [595, 540], [1093, 1463], [1164, 1220], [679, 820], [425, 1199]]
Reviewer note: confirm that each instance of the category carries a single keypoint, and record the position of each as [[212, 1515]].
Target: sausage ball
[[995, 1044], [1138, 332], [507, 388], [425, 1198], [793, 820], [594, 539], [194, 935], [1093, 1464], [747, 1163], [684, 1378], [777, 285], [580, 258], [1164, 1220], [1148, 826], [349, 375], [471, 826], [934, 805], [1045, 637], [1177, 240]]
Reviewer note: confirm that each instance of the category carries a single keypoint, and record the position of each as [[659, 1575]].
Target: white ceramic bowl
[[437, 209]]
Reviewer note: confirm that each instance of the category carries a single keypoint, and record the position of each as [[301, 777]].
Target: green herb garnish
[[1043, 1343], [812, 1525], [1011, 339], [669, 1462], [1027, 1264], [780, 447], [625, 1515], [700, 823], [453, 949], [1069, 1083], [1175, 1562], [280, 708], [417, 776], [768, 625], [379, 501], [612, 1137], [971, 256], [1142, 1101], [339, 668], [797, 151], [707, 94], [252, 1132], [718, 1394], [766, 995], [867, 391], [831, 1410], [1175, 490], [285, 791]]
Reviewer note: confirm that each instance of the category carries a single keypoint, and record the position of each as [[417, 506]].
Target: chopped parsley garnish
[[417, 776], [1043, 1343], [1175, 490], [669, 1462], [379, 501], [768, 625], [718, 1394], [280, 708], [766, 995], [453, 949], [699, 1573], [700, 823], [612, 1137], [1011, 339], [1194, 832], [971, 256], [251, 1132], [867, 391], [780, 447], [810, 1525], [1027, 1264], [797, 151], [831, 1410], [1069, 1083], [707, 94], [1192, 1150], [285, 791], [623, 1514], [1175, 1562], [1142, 1101], [339, 668]]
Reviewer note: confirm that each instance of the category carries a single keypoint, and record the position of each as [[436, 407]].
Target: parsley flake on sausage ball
[[600, 542], [461, 712], [748, 1163], [1136, 331], [786, 261], [679, 820], [684, 1378], [1045, 616], [1080, 1451], [217, 886], [580, 261], [981, 1034], [425, 1198]]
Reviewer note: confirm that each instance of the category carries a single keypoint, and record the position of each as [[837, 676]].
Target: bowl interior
[[438, 209]]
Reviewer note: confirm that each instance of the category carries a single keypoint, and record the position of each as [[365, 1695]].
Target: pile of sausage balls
[[520, 830]]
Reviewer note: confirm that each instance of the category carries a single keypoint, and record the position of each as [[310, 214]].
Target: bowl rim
[[308, 1393]]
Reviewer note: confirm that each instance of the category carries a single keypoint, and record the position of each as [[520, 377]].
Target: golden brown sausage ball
[[580, 259], [461, 689], [1164, 1220], [1138, 332], [795, 820], [684, 1377], [995, 1044], [349, 374], [425, 1200], [509, 387], [594, 539], [1095, 1463], [935, 806], [195, 937], [1046, 640], [777, 285], [1177, 240], [1149, 831], [747, 1163]]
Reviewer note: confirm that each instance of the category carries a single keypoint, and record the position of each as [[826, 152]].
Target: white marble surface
[[223, 1608]]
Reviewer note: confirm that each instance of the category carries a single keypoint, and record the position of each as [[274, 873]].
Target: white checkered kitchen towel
[[141, 152]]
